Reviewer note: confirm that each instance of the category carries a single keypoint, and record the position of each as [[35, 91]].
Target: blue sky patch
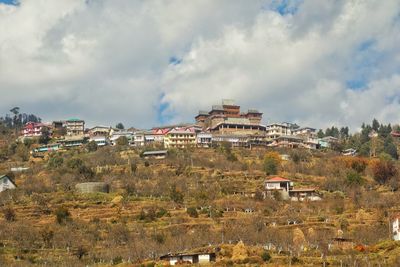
[[162, 107], [283, 7], [366, 45], [10, 2], [356, 84], [175, 61]]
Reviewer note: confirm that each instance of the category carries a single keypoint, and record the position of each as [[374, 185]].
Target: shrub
[[62, 215], [266, 256], [91, 146], [353, 178], [55, 161], [383, 170], [9, 214], [192, 211], [117, 260], [175, 194], [271, 163]]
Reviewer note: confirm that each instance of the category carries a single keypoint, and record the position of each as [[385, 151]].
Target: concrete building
[[75, 127], [204, 140], [115, 135], [227, 119], [100, 131], [396, 228], [99, 140], [287, 191], [180, 138], [275, 130], [327, 142], [189, 258], [6, 183], [158, 154], [34, 129]]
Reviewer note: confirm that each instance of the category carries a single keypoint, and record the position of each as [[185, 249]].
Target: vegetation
[[202, 199]]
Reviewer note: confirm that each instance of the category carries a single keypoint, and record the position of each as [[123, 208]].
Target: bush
[[91, 146], [62, 215], [353, 178], [383, 170], [55, 162], [271, 163], [192, 211], [122, 141], [266, 256], [9, 214], [176, 195]]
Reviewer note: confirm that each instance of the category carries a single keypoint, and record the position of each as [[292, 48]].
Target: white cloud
[[108, 61], [295, 67]]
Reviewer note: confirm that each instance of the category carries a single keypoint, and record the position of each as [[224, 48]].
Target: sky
[[147, 63]]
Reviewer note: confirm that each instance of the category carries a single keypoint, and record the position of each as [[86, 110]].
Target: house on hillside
[[99, 140], [159, 154], [75, 127], [327, 141], [6, 183], [228, 119], [287, 191], [180, 138], [204, 139], [34, 129], [73, 141], [396, 228], [278, 184], [189, 258], [100, 131], [47, 148]]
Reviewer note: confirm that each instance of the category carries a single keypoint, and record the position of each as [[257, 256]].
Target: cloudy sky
[[148, 63]]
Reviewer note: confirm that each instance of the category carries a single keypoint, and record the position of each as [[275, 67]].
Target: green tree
[[91, 146], [320, 133], [375, 125], [122, 141], [271, 163], [353, 178], [390, 148], [55, 161], [120, 126], [45, 135]]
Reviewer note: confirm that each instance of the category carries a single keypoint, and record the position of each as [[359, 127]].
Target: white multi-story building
[[396, 228], [275, 130], [204, 139], [180, 138], [75, 127]]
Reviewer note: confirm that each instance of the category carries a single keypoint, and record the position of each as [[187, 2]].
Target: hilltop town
[[223, 190]]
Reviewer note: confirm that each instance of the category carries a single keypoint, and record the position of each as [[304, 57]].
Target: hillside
[[194, 199]]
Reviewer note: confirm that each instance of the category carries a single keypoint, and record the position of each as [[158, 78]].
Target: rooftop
[[277, 179]]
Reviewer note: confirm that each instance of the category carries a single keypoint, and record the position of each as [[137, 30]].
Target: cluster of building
[[223, 123]]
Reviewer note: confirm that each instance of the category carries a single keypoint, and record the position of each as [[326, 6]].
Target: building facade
[[34, 129], [180, 138], [227, 119], [75, 127]]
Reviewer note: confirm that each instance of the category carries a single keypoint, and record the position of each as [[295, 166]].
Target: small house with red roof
[[278, 183], [287, 190]]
